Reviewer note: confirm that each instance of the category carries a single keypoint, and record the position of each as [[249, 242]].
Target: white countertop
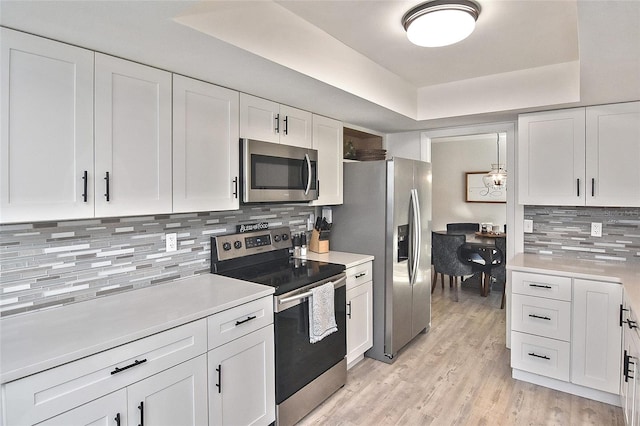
[[347, 259], [628, 274], [33, 342]]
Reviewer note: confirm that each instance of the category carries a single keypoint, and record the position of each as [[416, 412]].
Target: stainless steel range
[[306, 373]]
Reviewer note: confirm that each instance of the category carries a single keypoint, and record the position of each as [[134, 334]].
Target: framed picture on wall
[[478, 193]]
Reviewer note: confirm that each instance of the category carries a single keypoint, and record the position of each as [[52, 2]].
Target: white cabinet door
[[259, 119], [46, 149], [177, 396], [359, 320], [205, 146], [242, 380], [597, 336], [109, 410], [613, 155], [295, 127], [551, 158], [269, 121], [132, 138], [327, 139]]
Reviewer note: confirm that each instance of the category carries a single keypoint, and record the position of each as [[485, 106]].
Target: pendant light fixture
[[497, 177], [441, 22]]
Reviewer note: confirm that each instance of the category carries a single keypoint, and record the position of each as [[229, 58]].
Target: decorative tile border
[[49, 264], [566, 232]]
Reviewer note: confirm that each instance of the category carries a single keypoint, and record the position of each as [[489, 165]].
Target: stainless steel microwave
[[275, 173]]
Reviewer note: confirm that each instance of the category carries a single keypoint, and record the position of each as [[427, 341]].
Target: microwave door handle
[[306, 158]]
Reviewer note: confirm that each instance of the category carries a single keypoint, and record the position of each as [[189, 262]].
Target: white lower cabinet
[[629, 392], [106, 411], [177, 396], [242, 380], [218, 370], [359, 311], [567, 329]]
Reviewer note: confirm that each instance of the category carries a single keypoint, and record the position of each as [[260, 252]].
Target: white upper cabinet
[[551, 158], [269, 121], [613, 155], [46, 148], [582, 156], [132, 138], [327, 140], [205, 146]]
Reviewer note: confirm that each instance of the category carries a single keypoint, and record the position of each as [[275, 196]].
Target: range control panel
[[232, 246]]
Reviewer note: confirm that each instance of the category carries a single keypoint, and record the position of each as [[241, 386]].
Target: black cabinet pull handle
[[286, 124], [632, 324], [539, 286], [361, 275], [277, 123], [235, 187], [625, 366], [106, 178], [84, 186], [622, 314], [578, 186], [538, 356], [593, 187], [141, 408], [539, 317], [349, 311], [246, 320], [117, 419], [136, 362], [219, 384]]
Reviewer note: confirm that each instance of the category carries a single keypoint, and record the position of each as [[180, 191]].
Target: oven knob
[[285, 237], [276, 238], [226, 246], [237, 244]]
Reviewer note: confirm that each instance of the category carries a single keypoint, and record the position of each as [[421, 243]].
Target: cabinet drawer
[[540, 355], [43, 395], [542, 317], [359, 274], [549, 286], [236, 322]]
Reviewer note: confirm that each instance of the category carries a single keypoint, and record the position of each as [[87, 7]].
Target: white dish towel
[[322, 320]]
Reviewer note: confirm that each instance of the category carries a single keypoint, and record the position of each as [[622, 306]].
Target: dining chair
[[445, 259], [499, 273], [463, 227]]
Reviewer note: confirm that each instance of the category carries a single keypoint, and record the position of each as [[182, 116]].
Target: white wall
[[451, 159], [404, 145]]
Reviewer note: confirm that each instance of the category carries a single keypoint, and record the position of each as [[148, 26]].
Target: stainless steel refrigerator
[[387, 213]]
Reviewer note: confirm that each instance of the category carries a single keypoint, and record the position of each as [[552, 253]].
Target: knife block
[[317, 245]]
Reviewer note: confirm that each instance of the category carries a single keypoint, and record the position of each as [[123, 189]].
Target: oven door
[[299, 362], [273, 172]]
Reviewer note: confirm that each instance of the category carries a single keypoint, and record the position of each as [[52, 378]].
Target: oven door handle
[[308, 161], [308, 293]]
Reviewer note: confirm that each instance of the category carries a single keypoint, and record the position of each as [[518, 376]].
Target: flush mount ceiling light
[[440, 22]]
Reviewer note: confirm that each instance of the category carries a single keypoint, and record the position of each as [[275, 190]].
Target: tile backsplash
[[566, 232], [55, 263]]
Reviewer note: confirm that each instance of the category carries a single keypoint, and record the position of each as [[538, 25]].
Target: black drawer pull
[[593, 187], [136, 362], [361, 275], [349, 311], [117, 419], [286, 125], [578, 186], [84, 186], [246, 320], [235, 187], [539, 286], [538, 356], [632, 324], [277, 122], [539, 317], [622, 310]]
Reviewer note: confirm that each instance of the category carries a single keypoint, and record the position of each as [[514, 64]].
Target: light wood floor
[[457, 374]]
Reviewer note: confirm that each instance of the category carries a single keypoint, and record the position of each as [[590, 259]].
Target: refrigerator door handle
[[417, 235]]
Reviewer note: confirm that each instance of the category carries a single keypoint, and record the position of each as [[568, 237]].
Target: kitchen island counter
[[33, 342]]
